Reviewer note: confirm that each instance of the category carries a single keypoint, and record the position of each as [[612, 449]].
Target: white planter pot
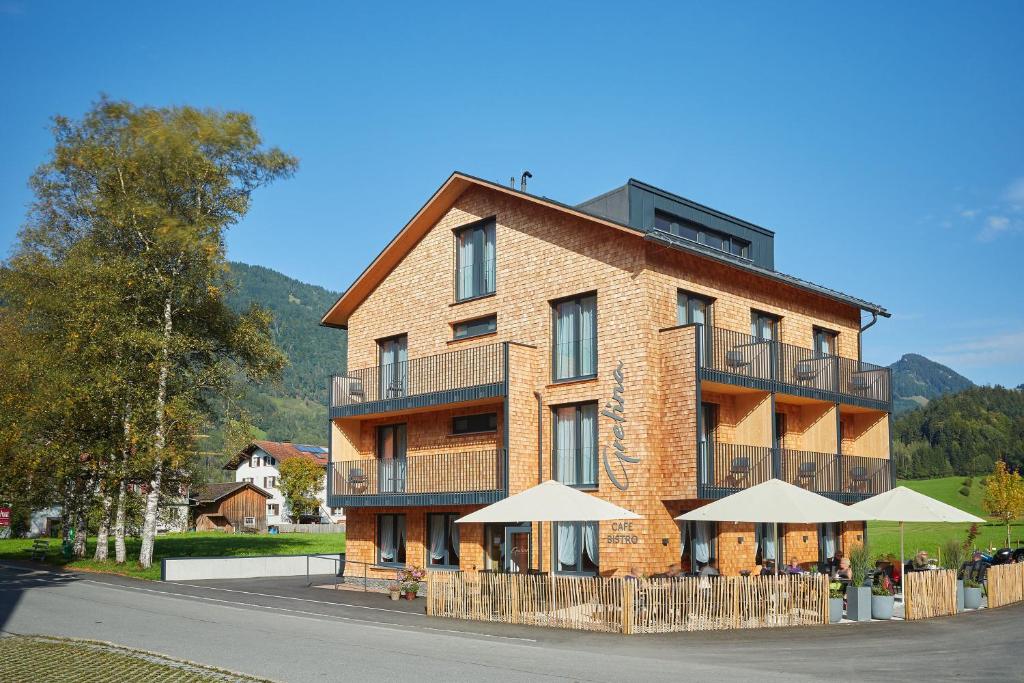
[[972, 598], [881, 606], [835, 610], [858, 603]]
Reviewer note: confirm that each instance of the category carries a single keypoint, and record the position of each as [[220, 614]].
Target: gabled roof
[[446, 195], [281, 451], [211, 493]]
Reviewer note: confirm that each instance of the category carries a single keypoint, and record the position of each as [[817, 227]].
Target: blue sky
[[884, 144]]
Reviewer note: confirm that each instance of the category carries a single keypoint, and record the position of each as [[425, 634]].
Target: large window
[[475, 424], [576, 547], [574, 352], [698, 547], [575, 439], [442, 540], [474, 260], [829, 539], [765, 550], [693, 309], [825, 341], [393, 366], [680, 227], [764, 325], [391, 539]]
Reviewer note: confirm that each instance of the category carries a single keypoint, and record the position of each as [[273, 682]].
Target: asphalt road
[[281, 630]]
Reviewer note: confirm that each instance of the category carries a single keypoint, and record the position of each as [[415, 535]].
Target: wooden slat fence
[[929, 594], [625, 606], [1005, 584]]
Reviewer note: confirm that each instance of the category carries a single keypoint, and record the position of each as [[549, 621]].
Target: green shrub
[[861, 563], [967, 482], [964, 491], [952, 554]]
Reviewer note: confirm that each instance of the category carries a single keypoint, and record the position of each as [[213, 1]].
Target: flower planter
[[395, 595], [960, 595], [858, 603], [410, 596], [835, 610], [881, 606], [972, 598]]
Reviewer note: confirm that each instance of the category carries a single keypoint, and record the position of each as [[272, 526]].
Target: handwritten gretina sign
[[616, 410]]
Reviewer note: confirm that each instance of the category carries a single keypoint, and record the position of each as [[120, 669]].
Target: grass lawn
[[43, 658], [884, 537], [201, 544]]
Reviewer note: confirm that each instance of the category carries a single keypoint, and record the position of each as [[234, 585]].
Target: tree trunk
[[120, 552], [81, 533], [159, 442], [103, 533]]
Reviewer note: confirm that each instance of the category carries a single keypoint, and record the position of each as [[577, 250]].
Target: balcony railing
[[445, 372], [726, 468], [429, 473], [774, 366]]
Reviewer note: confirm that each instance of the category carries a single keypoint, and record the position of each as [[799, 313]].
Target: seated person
[[844, 573], [708, 570], [768, 568], [920, 561], [794, 567]]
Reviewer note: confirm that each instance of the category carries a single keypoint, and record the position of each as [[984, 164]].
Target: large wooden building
[[639, 346], [231, 506]]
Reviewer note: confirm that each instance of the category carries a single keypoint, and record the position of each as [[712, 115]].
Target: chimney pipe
[[512, 182], [522, 180]]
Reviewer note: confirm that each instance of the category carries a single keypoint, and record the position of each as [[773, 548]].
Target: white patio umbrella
[[777, 502], [906, 505], [549, 502]]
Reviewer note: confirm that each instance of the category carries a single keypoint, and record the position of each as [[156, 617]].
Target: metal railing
[[775, 366], [460, 472], [727, 467], [462, 369]]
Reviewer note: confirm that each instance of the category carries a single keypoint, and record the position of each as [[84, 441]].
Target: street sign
[[5, 516]]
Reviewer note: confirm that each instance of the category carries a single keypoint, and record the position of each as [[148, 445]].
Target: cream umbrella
[[549, 502], [777, 502], [906, 505]]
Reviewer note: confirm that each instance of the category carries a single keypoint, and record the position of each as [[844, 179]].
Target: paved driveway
[[281, 630]]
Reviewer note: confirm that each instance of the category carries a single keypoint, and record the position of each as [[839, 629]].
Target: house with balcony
[[638, 346]]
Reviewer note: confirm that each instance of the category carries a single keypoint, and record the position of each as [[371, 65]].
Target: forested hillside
[[963, 433], [916, 380]]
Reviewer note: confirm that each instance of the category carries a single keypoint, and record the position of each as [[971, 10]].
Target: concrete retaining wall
[[200, 568]]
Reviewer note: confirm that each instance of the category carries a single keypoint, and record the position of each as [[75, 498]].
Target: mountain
[[917, 380], [962, 433], [293, 408]]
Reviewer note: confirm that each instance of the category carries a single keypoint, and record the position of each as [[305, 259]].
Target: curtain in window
[[769, 542], [590, 541], [565, 338], [454, 532], [400, 546], [588, 447], [387, 539], [702, 542], [830, 541], [565, 444], [588, 336], [489, 263], [568, 545], [437, 540], [465, 258]]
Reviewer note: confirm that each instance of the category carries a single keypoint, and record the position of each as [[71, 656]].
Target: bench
[[40, 547]]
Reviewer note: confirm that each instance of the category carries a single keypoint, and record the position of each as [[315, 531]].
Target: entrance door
[[393, 366], [517, 547], [391, 464]]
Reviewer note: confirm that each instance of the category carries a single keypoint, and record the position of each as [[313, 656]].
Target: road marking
[[286, 597]]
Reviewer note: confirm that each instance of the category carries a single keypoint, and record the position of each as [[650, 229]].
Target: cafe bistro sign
[[616, 411]]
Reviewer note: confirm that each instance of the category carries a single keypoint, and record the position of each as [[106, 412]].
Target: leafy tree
[[1004, 496], [301, 482]]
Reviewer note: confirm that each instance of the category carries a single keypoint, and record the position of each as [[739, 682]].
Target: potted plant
[[953, 556], [972, 594], [882, 599], [394, 589], [410, 582], [835, 602], [858, 595]]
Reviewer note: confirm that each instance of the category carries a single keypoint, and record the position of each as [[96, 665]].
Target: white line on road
[[286, 597]]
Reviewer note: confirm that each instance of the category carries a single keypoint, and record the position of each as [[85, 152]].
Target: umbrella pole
[[903, 578], [775, 531]]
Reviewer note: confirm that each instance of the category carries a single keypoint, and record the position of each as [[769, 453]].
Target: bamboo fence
[[619, 605], [929, 594], [1005, 584]]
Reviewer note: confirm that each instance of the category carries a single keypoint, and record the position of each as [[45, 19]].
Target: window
[[273, 509], [269, 482], [698, 547], [473, 424], [249, 521], [764, 325], [825, 341], [269, 461], [442, 540], [576, 547], [475, 328], [765, 551], [829, 538], [393, 359], [575, 441], [337, 511], [254, 461], [680, 227], [574, 348], [391, 463], [391, 539], [474, 260], [692, 309], [247, 480]]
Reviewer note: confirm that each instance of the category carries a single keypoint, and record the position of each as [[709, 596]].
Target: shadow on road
[[18, 577]]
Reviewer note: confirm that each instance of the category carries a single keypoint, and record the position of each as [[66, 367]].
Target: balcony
[[447, 378], [737, 358], [726, 468], [462, 478]]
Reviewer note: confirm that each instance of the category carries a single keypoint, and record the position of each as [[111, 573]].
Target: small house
[[231, 506]]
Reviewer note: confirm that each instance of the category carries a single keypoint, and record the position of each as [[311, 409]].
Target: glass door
[[517, 546], [393, 366], [708, 423], [391, 463], [691, 310]]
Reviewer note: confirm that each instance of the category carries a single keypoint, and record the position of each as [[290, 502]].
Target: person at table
[[794, 567], [920, 562], [844, 573], [708, 570], [767, 567]]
